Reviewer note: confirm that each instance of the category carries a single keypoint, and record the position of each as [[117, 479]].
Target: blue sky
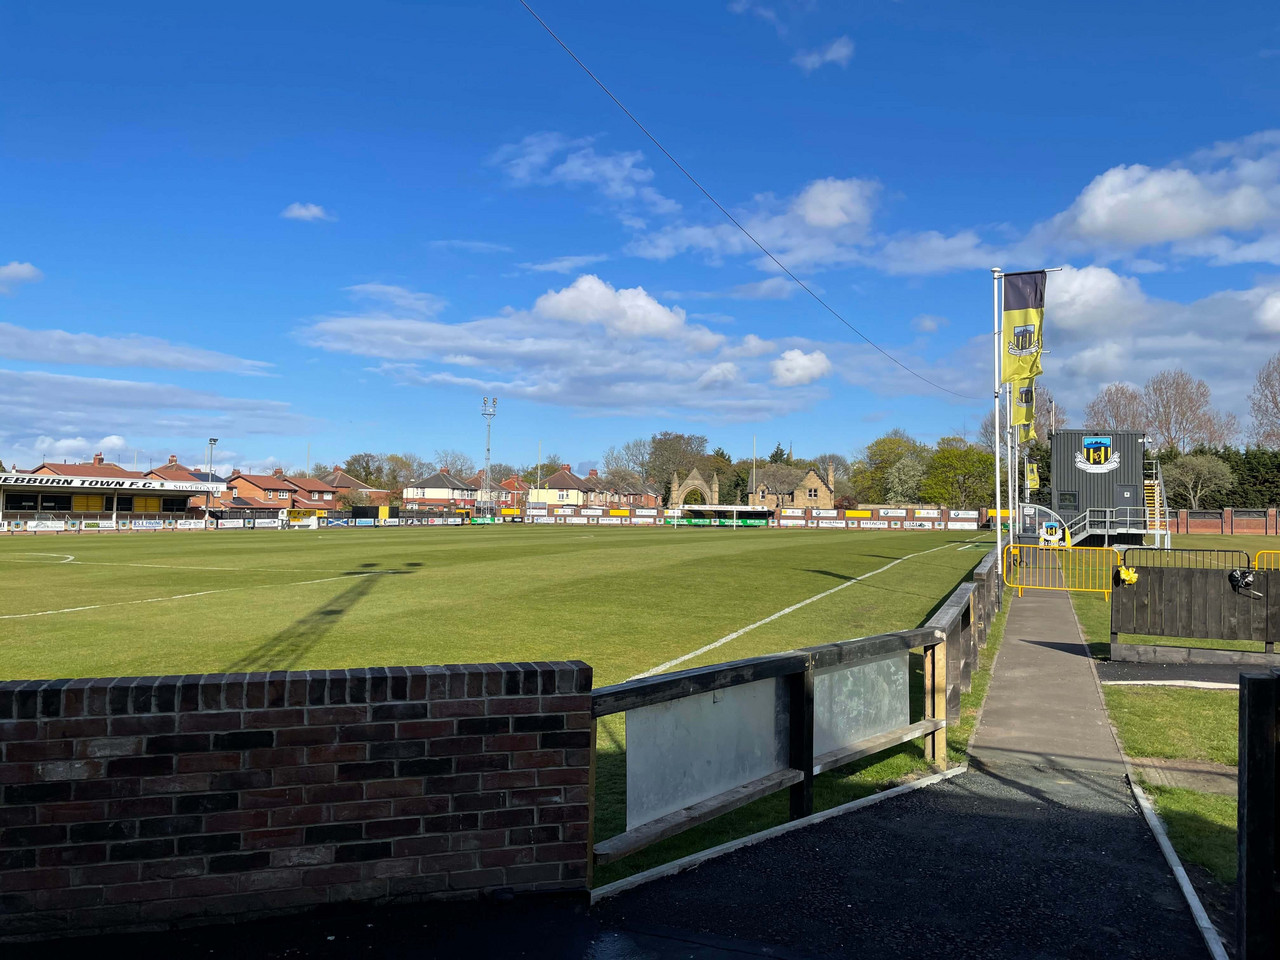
[[284, 224]]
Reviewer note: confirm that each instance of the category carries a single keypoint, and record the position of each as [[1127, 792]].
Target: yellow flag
[[1026, 432], [1024, 402], [1023, 322], [1033, 476]]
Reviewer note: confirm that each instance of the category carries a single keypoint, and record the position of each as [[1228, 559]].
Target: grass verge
[[833, 788], [1175, 723], [1202, 827]]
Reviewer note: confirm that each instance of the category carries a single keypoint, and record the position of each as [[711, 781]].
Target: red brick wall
[[131, 801]]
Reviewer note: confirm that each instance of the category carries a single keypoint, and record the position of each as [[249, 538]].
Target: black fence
[[1258, 819], [1193, 559]]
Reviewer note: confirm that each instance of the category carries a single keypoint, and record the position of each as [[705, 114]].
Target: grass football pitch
[[624, 600]]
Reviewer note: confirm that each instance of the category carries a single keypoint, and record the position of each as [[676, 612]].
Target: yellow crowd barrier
[[1267, 560], [1088, 569]]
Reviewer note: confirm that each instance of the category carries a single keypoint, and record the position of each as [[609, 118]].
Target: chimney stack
[[278, 472], [173, 459], [98, 459], [565, 468], [593, 473]]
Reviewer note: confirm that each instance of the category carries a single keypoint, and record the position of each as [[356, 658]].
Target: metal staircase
[[1157, 505]]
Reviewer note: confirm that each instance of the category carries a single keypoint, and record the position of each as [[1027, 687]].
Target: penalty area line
[[663, 667]]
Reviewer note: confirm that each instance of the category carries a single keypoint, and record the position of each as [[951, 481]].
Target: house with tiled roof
[[313, 494], [98, 467], [518, 489], [262, 489], [173, 470], [344, 483], [441, 489], [503, 495], [562, 488]]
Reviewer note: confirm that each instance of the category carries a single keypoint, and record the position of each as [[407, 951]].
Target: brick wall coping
[[113, 696]]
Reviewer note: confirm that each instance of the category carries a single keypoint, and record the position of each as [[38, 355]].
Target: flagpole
[[1012, 457], [995, 349]]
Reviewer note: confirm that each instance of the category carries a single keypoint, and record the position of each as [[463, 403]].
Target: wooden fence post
[[1256, 900], [801, 748], [935, 702]]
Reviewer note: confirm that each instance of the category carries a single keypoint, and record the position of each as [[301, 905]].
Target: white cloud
[[59, 346], [765, 13], [306, 211], [933, 252], [425, 304], [547, 159], [587, 346], [59, 407], [795, 367], [839, 51], [565, 264], [927, 323], [470, 246], [14, 273], [825, 224], [771, 288]]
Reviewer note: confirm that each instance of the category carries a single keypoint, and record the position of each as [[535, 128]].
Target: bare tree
[[989, 434], [1264, 404], [1050, 415], [1197, 476], [456, 462], [1178, 413], [1117, 406], [838, 463], [635, 454]]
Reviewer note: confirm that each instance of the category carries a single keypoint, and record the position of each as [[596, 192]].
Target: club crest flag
[[1033, 476], [1026, 432], [1024, 402], [1023, 322]]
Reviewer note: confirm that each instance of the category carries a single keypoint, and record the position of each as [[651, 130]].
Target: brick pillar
[[1228, 520]]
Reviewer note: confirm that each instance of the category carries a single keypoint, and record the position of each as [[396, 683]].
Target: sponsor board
[[509, 511], [791, 523], [4, 526], [453, 521], [340, 522], [832, 523], [753, 523], [575, 519], [893, 513], [962, 525], [824, 513], [564, 511], [918, 524], [671, 513], [544, 519], [874, 524], [536, 511], [592, 513], [237, 524], [190, 524], [267, 523], [146, 524], [919, 514], [792, 512], [365, 522], [963, 514], [103, 524], [858, 513], [646, 512], [435, 521], [643, 520], [895, 524], [617, 520], [395, 522], [619, 513]]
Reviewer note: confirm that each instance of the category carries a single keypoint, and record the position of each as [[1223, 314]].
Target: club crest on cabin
[[1096, 455], [1025, 341]]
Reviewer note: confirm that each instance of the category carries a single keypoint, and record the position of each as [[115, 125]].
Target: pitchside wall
[[143, 800]]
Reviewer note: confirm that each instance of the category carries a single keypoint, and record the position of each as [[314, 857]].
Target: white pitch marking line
[[183, 596], [663, 667]]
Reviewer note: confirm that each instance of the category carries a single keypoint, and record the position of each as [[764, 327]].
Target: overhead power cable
[[731, 218]]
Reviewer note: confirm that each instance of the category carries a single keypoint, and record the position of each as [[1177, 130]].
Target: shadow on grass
[[285, 650]]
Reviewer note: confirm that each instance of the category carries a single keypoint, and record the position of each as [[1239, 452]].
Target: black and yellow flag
[[1023, 320], [1027, 432], [1024, 402], [1033, 476]]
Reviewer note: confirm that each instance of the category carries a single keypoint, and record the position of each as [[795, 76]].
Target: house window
[[271, 494], [124, 504], [1068, 500], [173, 505], [562, 495], [813, 493], [328, 496]]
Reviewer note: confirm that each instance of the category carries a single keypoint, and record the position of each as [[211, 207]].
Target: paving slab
[[1188, 774]]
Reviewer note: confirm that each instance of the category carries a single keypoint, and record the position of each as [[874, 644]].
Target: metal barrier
[[1267, 560], [1194, 559], [1087, 569]]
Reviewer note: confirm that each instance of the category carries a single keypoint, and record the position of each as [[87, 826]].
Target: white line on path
[[663, 667], [181, 596], [1191, 684]]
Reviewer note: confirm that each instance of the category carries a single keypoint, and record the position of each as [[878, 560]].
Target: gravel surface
[[1213, 672]]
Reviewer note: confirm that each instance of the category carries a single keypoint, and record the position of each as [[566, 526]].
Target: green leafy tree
[[902, 480], [869, 474], [962, 478], [1193, 478]]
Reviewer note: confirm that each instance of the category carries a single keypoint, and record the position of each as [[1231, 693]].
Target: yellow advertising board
[[858, 513], [619, 513], [510, 512]]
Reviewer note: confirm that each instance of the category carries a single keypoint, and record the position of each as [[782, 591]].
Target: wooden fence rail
[[1258, 903]]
